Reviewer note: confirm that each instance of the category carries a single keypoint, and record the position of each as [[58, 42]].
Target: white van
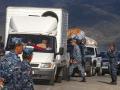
[[37, 27]]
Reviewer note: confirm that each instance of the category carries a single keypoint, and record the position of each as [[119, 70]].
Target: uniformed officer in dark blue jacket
[[27, 82], [77, 62], [10, 66], [112, 63]]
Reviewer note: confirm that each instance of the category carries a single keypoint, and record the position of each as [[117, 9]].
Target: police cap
[[16, 41], [27, 51]]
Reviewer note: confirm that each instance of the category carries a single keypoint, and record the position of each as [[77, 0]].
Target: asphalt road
[[93, 83]]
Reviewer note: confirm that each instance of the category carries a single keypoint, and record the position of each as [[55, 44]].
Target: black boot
[[83, 80], [68, 78], [114, 80], [113, 83]]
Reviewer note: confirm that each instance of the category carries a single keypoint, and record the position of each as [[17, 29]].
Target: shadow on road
[[104, 82], [41, 82]]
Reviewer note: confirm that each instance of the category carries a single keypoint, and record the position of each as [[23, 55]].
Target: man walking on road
[[77, 62]]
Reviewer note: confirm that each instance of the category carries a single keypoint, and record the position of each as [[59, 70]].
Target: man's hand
[[73, 61], [1, 83]]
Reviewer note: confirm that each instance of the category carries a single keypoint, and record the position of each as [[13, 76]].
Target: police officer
[[112, 63], [10, 66], [77, 62], [27, 82]]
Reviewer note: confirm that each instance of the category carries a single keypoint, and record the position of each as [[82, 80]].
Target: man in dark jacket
[[112, 63], [77, 62]]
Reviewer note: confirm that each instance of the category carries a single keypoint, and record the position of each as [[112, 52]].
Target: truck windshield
[[40, 43], [89, 51]]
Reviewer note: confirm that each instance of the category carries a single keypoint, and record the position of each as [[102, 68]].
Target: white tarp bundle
[[30, 24], [80, 35], [76, 33], [90, 41]]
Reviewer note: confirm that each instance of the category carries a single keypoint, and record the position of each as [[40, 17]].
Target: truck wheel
[[99, 71], [65, 73], [103, 73], [91, 71], [52, 80], [58, 77]]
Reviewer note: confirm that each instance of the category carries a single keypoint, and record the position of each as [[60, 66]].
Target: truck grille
[[105, 64], [34, 65]]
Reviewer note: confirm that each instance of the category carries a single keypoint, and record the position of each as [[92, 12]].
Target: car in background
[[105, 62]]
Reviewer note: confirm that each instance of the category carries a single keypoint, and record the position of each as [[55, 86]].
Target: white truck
[[93, 63], [45, 30]]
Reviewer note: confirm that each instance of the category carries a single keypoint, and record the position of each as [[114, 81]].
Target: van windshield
[[89, 51], [40, 43]]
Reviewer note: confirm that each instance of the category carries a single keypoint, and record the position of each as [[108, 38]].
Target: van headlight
[[46, 65]]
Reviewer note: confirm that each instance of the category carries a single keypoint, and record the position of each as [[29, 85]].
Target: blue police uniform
[[82, 47], [27, 82], [78, 58], [112, 65], [10, 69]]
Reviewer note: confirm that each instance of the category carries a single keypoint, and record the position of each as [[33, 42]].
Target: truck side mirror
[[61, 50], [98, 55]]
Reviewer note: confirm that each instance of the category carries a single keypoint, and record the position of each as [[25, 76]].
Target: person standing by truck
[[10, 66], [27, 82], [77, 62], [112, 62]]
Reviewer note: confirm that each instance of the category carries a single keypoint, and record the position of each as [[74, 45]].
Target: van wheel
[[58, 76], [103, 73], [99, 71], [91, 71], [52, 80], [65, 73], [59, 79]]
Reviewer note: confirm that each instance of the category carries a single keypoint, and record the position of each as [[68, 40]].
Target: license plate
[[105, 67]]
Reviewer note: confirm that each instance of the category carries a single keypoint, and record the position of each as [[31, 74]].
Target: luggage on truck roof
[[76, 32]]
